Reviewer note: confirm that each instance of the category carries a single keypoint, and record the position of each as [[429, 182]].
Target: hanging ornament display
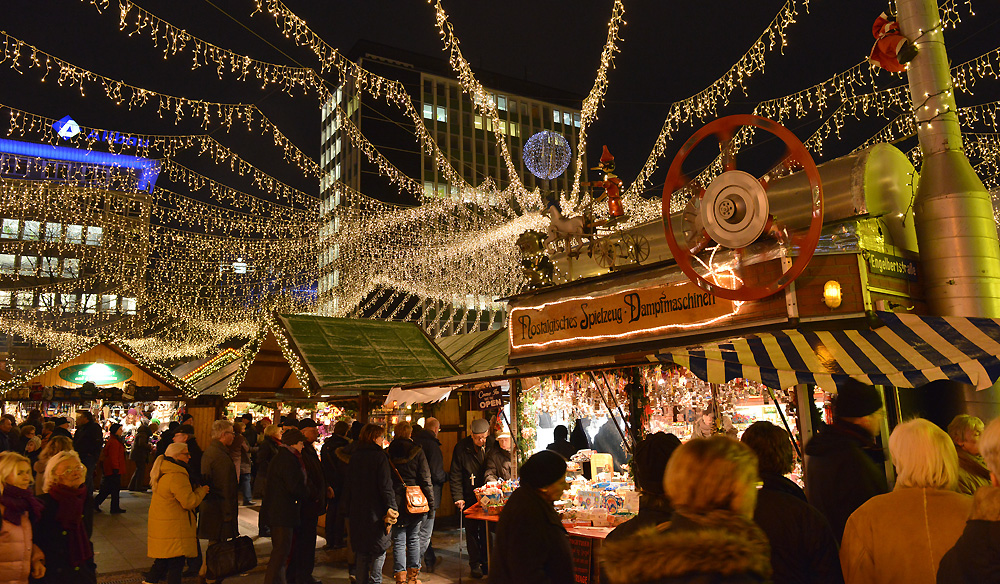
[[547, 154]]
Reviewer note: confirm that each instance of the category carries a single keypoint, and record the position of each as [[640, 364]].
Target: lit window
[[74, 234], [479, 122], [29, 265], [502, 102], [25, 299], [336, 278], [336, 250], [428, 111], [47, 301], [576, 120], [71, 268], [567, 118], [128, 305], [513, 106], [515, 130], [442, 113], [428, 187], [89, 303], [5, 297], [555, 116], [94, 235], [70, 302], [109, 302], [7, 263], [32, 229], [50, 267], [441, 190], [11, 228], [53, 231]]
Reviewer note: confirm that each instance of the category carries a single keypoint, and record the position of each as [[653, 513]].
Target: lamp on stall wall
[[831, 294]]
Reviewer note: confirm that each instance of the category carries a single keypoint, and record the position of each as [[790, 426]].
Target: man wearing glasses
[[219, 510]]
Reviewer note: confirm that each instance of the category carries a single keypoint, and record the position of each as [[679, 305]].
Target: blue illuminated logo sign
[[66, 128]]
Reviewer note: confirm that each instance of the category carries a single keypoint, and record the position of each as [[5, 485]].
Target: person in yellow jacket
[[172, 525]]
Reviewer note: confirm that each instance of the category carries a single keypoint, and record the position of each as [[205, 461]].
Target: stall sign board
[[583, 558], [97, 373], [630, 314], [891, 266], [487, 399]]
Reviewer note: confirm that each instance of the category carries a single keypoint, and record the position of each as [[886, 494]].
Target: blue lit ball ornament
[[547, 154]]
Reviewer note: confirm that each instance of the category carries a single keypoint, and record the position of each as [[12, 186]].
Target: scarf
[[298, 456], [70, 517], [16, 502]]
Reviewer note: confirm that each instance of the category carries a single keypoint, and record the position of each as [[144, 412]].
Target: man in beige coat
[[900, 537]]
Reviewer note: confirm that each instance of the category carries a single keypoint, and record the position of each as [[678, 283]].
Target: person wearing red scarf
[[19, 557], [60, 532]]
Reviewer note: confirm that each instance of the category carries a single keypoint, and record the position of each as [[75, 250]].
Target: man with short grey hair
[[219, 510], [467, 461]]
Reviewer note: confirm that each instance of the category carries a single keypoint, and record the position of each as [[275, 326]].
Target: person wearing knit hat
[[468, 460], [649, 463], [531, 544], [844, 465], [114, 468], [498, 463]]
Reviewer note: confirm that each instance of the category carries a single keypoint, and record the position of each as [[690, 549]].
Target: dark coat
[[315, 504], [368, 496], [265, 454], [285, 491], [411, 465], [609, 440], [498, 464], [726, 550], [531, 543], [431, 446], [50, 537], [88, 442], [653, 511], [194, 465], [975, 558], [564, 447], [334, 469], [841, 472], [467, 461], [239, 450], [220, 509], [166, 439], [803, 549], [141, 448], [59, 431]]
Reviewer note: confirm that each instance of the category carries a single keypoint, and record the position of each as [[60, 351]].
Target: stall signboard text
[[624, 315], [97, 373], [891, 266], [487, 399]]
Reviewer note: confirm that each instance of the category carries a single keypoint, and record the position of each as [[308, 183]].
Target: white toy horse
[[562, 228]]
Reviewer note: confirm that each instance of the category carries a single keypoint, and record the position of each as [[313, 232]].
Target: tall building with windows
[[74, 239], [465, 137]]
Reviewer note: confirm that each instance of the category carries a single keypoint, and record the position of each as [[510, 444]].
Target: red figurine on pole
[[611, 184]]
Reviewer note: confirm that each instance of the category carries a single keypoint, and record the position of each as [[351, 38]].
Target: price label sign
[[487, 399]]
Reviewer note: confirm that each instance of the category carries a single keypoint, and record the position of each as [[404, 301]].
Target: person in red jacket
[[114, 467]]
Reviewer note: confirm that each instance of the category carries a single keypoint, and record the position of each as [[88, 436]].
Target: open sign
[[487, 399]]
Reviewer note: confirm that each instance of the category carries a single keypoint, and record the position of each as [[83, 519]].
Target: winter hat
[[542, 469], [503, 435], [60, 421], [856, 400], [176, 448], [186, 429], [650, 461], [292, 436], [479, 426], [114, 429], [307, 423]]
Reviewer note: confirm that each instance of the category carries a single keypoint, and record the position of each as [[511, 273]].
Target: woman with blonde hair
[[61, 533], [55, 445], [19, 556], [172, 531], [901, 536], [712, 484]]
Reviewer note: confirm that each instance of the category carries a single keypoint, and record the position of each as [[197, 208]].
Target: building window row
[[29, 230], [85, 303], [50, 267]]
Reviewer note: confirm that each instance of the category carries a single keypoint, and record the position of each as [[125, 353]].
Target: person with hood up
[[712, 484], [531, 542], [900, 537], [114, 466], [649, 462], [844, 466], [370, 502], [975, 557], [19, 556], [410, 469], [172, 531], [972, 472], [280, 509]]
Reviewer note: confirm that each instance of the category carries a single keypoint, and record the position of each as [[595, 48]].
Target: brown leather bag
[[416, 501]]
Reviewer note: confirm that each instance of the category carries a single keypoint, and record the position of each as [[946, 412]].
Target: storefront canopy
[[905, 350]]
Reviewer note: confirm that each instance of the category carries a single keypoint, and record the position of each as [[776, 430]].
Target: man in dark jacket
[[369, 499], [410, 470], [139, 454], [467, 461], [562, 445], [803, 549], [281, 509], [649, 463], [531, 542], [186, 434], [429, 443], [88, 441], [334, 471], [498, 460], [166, 439], [219, 512], [62, 427], [843, 464], [5, 427], [303, 558]]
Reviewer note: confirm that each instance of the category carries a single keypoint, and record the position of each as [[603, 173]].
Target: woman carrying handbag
[[411, 478]]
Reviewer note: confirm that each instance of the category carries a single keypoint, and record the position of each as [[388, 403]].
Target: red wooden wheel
[[733, 210]]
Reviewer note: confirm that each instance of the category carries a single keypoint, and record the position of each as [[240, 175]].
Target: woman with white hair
[[901, 536], [61, 533], [712, 484], [172, 532], [19, 556]]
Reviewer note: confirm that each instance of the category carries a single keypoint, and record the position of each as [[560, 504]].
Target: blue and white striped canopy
[[909, 351]]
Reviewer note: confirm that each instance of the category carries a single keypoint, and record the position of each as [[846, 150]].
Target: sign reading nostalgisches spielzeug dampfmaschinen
[[584, 320]]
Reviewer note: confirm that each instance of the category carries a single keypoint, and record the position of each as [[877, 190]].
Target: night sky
[[670, 51]]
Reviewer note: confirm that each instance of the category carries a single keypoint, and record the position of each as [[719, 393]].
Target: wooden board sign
[[584, 320]]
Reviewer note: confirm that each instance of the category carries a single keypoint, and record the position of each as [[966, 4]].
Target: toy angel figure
[[611, 184]]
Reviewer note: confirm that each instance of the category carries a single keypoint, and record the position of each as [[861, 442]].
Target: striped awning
[[908, 351]]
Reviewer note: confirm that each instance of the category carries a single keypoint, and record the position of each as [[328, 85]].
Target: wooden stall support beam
[[784, 421], [890, 470], [804, 406], [515, 427]]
